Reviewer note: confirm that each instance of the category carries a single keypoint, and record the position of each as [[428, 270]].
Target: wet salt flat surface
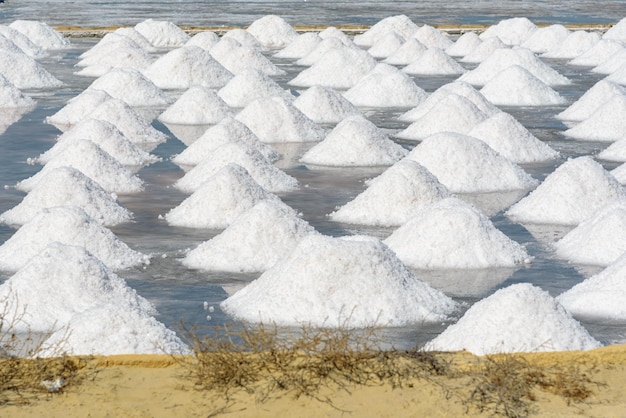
[[180, 293]]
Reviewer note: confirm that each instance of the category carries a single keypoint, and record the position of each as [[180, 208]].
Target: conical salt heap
[[385, 86], [188, 66], [250, 85], [574, 45], [77, 108], [451, 234], [599, 239], [407, 53], [236, 58], [129, 58], [68, 186], [73, 299], [400, 24], [598, 53], [271, 230], [518, 318], [325, 105], [612, 64], [394, 197], [26, 73], [11, 96], [507, 136], [355, 141], [264, 172], [512, 31], [568, 195], [219, 200], [434, 61], [41, 34], [229, 130], [67, 225], [617, 31], [197, 106], [23, 42], [432, 37], [95, 163], [303, 45], [606, 124], [205, 40], [546, 38], [274, 120], [386, 45], [484, 50], [467, 165], [162, 34], [350, 282], [614, 152], [516, 86], [463, 45], [594, 97], [272, 32], [326, 45]]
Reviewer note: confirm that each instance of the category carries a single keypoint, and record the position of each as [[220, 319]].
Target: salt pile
[[612, 64], [236, 58], [23, 42], [333, 32], [250, 85], [518, 318], [599, 239], [593, 98], [95, 163], [86, 307], [394, 197], [326, 45], [267, 175], [324, 105], [619, 76], [606, 124], [77, 108], [303, 45], [453, 113], [162, 34], [546, 38], [516, 86], [197, 106], [132, 87], [188, 66], [434, 61], [219, 200], [68, 186], [355, 141], [467, 165], [407, 53], [271, 230], [400, 24], [131, 57], [351, 283], [569, 195], [574, 45], [512, 31], [205, 40], [451, 234], [600, 297], [40, 34], [244, 38], [620, 173], [339, 68], [107, 137], [598, 53], [8, 45], [511, 139], [137, 37], [26, 73], [274, 120], [272, 32], [483, 50], [110, 42], [386, 45], [464, 45], [385, 86], [229, 130], [615, 152], [616, 32], [503, 58], [67, 225], [11, 96], [432, 37]]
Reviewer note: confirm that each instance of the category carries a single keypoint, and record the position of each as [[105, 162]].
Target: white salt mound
[[137, 37], [68, 186], [394, 197], [188, 66], [267, 175], [339, 68], [250, 85], [467, 165], [452, 113], [400, 24], [325, 105], [350, 283], [272, 31], [484, 50], [546, 38], [612, 64], [273, 120], [511, 139], [620, 173], [326, 45], [41, 34], [451, 234], [205, 40], [569, 195], [271, 230], [95, 163], [131, 58], [503, 58], [355, 141], [236, 58], [432, 37], [598, 53], [464, 45], [219, 200], [68, 225], [23, 42], [62, 287], [599, 239], [386, 45], [616, 32], [132, 87], [108, 43], [245, 38], [600, 297], [229, 130], [615, 152], [11, 96], [162, 34], [385, 86], [197, 106], [26, 73], [434, 61], [518, 318], [77, 108], [512, 31], [593, 98], [516, 86], [333, 32], [606, 124], [407, 53], [574, 45], [303, 45]]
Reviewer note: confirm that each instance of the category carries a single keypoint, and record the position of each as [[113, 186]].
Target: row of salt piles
[[63, 253]]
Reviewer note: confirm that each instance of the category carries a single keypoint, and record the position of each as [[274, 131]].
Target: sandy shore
[[160, 386]]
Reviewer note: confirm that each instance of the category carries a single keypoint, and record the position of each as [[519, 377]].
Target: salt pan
[[324, 105], [516, 86], [250, 85], [197, 106], [272, 31], [162, 34]]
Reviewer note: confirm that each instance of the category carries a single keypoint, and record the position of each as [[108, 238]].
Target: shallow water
[[180, 293]]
